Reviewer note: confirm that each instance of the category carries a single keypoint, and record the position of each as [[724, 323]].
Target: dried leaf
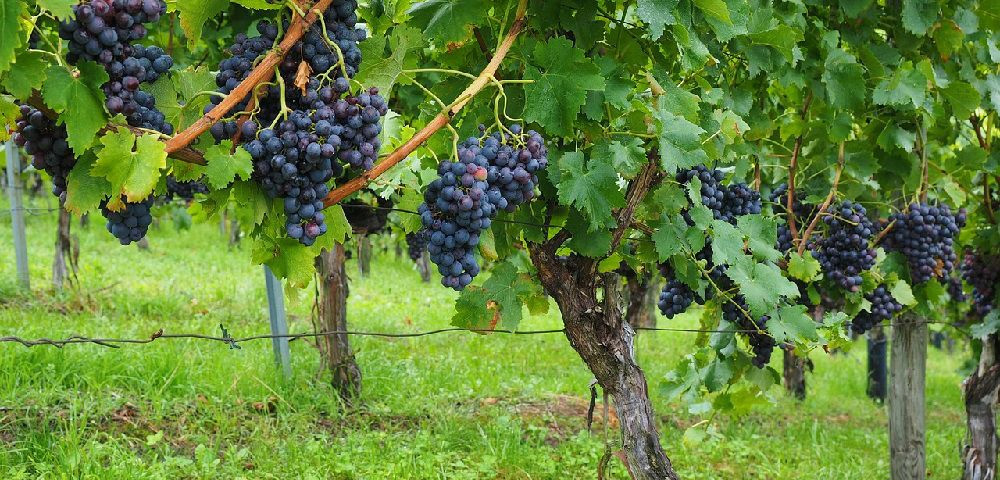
[[302, 76]]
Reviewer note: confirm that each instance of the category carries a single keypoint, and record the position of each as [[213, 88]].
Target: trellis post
[[17, 214], [279, 325]]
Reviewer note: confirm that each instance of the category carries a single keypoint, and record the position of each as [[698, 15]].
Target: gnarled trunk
[[63, 258], [598, 332], [335, 350], [794, 369], [424, 266], [979, 456], [907, 378]]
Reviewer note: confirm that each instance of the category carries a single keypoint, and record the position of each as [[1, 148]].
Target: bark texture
[[642, 296], [979, 455], [907, 378], [795, 374], [424, 266], [64, 263], [597, 330], [335, 350]]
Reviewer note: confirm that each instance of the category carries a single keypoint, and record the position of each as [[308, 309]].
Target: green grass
[[446, 406]]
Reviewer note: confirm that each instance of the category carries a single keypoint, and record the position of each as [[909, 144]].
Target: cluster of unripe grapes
[[844, 252], [925, 235], [494, 173]]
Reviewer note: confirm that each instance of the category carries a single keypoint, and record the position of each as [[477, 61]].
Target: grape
[[803, 216], [761, 342], [982, 272], [843, 252], [514, 158], [727, 203], [46, 143], [925, 235], [185, 190], [883, 307], [131, 223], [416, 243], [675, 298]]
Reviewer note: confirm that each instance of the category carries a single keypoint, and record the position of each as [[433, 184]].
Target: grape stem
[[826, 203], [260, 74], [792, 167], [439, 122]]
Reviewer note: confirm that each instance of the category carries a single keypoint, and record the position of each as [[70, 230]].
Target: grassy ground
[[446, 406]]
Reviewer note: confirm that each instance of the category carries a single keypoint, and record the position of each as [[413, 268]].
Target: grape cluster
[[103, 31], [185, 190], [982, 272], [803, 214], [235, 69], [761, 342], [925, 235], [131, 222], [955, 290], [843, 252], [46, 142], [727, 202], [416, 243], [675, 298], [883, 307], [467, 194]]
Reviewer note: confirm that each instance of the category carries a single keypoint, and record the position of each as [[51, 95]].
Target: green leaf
[[223, 167], [449, 20], [9, 113], [62, 9], [84, 191], [288, 259], [656, 14], [669, 236], [906, 86], [338, 228], [591, 187], [989, 14], [963, 97], [678, 101], [762, 235], [761, 284], [194, 14], [177, 95], [727, 243], [919, 15], [782, 38], [259, 4], [498, 302], [680, 142], [132, 165], [716, 9], [562, 75], [803, 267], [27, 75], [10, 31], [381, 71], [627, 158], [792, 324], [901, 291], [989, 325], [853, 8], [845, 81], [948, 38], [618, 85], [80, 100]]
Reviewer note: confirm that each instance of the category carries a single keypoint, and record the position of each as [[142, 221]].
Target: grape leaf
[[380, 71], [803, 267], [906, 86], [903, 294], [989, 14], [627, 158], [781, 38], [680, 142], [727, 243], [656, 14], [9, 112], [194, 14], [948, 38], [678, 101], [10, 31], [447, 21], [132, 165], [591, 187], [561, 76], [259, 4], [761, 284], [716, 9], [963, 97], [617, 84], [792, 324], [86, 117], [338, 228], [27, 75], [84, 191], [672, 235], [224, 167], [762, 235], [62, 9], [497, 303], [845, 80], [989, 325], [919, 15], [288, 259]]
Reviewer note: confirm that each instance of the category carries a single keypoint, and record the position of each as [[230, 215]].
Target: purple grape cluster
[[761, 342], [46, 142], [982, 272], [727, 202], [803, 215], [491, 174], [416, 243], [675, 298], [844, 252], [130, 223], [883, 307], [185, 190], [235, 69], [103, 31], [925, 235]]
